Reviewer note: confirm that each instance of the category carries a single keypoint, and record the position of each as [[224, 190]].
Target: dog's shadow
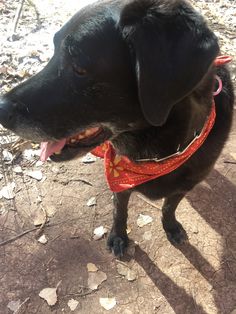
[[222, 209]]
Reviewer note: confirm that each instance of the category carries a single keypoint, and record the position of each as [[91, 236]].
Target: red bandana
[[123, 174]]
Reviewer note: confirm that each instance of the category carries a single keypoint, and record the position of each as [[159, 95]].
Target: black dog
[[140, 73]]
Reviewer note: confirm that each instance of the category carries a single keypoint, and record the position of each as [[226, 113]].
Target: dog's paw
[[176, 235], [117, 244]]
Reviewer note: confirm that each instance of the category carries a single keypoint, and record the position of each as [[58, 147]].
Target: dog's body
[[143, 73]]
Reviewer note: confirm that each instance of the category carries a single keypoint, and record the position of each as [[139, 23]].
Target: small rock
[[99, 232], [88, 159], [43, 239]]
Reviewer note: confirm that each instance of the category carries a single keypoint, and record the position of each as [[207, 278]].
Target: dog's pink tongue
[[48, 148]]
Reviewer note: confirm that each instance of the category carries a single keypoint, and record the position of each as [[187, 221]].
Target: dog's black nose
[[7, 113]]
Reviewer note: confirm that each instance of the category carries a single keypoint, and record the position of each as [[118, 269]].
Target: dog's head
[[117, 66]]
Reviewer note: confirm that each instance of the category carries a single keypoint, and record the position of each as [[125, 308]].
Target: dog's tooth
[[72, 140], [58, 153]]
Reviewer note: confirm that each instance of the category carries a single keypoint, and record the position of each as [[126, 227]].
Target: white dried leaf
[[17, 169], [14, 305], [88, 159], [92, 201], [125, 271], [8, 191], [95, 279], [92, 267], [43, 239], [38, 217], [39, 163], [49, 295], [107, 303], [233, 155], [72, 303], [7, 156], [99, 232], [144, 220], [29, 154], [36, 174], [147, 235]]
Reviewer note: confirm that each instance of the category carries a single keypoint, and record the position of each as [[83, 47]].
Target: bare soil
[[198, 277]]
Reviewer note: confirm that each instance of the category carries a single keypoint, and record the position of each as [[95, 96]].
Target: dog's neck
[[187, 119]]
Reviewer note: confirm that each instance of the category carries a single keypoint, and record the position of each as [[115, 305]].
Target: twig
[[18, 236], [21, 309], [230, 162], [17, 16], [30, 230], [148, 202], [38, 233]]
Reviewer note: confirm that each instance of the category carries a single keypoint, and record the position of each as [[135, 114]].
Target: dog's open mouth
[[70, 147]]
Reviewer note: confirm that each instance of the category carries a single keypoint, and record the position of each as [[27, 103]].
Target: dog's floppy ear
[[173, 49]]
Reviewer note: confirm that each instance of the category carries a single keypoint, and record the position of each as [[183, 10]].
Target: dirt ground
[[198, 277]]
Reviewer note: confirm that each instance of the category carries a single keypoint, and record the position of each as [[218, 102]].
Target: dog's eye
[[79, 71]]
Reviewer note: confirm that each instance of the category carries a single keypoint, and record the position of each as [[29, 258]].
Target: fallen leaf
[[147, 235], [17, 169], [36, 174], [95, 279], [99, 232], [72, 303], [14, 305], [92, 201], [125, 271], [49, 295], [107, 303], [8, 191], [30, 154], [92, 267], [7, 156], [88, 159], [38, 217], [233, 155], [144, 220], [43, 239]]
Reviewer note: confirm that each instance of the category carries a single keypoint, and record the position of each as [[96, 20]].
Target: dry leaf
[[7, 156], [95, 279], [43, 239], [144, 220], [107, 303], [8, 191], [72, 303], [99, 232], [17, 169], [233, 155], [36, 174], [14, 305], [38, 217], [92, 201], [147, 235], [50, 295], [92, 267], [125, 271]]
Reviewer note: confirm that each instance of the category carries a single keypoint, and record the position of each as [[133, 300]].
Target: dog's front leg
[[174, 230], [118, 239]]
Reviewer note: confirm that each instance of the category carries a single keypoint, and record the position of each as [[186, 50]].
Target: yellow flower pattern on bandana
[[115, 169]]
